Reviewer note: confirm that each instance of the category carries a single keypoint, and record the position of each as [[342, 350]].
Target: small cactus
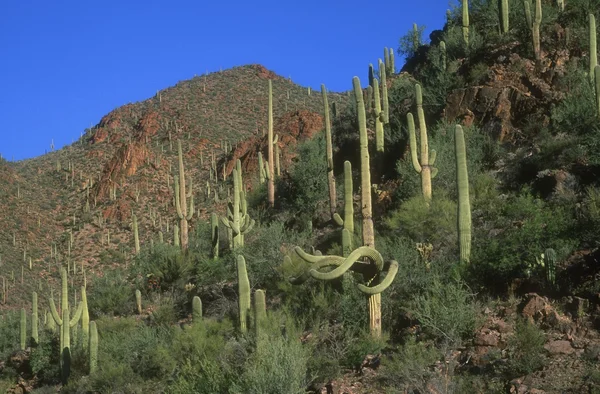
[[243, 293], [138, 301], [196, 310]]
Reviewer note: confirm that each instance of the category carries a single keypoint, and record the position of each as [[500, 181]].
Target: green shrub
[[526, 349], [110, 294]]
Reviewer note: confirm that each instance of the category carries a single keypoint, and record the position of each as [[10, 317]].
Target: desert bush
[[110, 294], [526, 349]]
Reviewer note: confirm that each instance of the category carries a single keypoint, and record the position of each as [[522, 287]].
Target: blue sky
[[67, 63]]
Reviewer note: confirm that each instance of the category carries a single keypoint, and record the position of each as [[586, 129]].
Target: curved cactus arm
[[434, 172], [77, 316], [191, 209], [307, 257], [413, 142], [54, 313], [225, 222], [249, 226], [432, 157], [363, 251], [385, 283], [338, 219]]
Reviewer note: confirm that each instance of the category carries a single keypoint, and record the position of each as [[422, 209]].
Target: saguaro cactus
[[425, 167], [260, 312], [504, 15], [243, 293], [536, 30], [384, 93], [237, 218], [348, 221], [465, 22], [136, 236], [379, 117], [593, 54], [214, 234], [270, 142], [138, 301], [34, 319], [23, 327], [196, 310], [184, 211], [85, 319], [329, 153], [65, 325], [464, 205], [93, 348]]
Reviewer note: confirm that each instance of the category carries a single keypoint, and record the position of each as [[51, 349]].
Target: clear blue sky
[[66, 63]]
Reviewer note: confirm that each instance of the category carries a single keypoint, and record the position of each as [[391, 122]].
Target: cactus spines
[[536, 30], [34, 319], [93, 348], [593, 48], [329, 153], [184, 211], [243, 293], [425, 166], [138, 301], [260, 311], [271, 161], [23, 328], [464, 205], [504, 15], [465, 22], [136, 236], [214, 234], [196, 310]]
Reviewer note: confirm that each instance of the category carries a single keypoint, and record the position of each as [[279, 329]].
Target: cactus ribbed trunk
[[23, 327], [464, 205], [536, 30], [214, 234], [424, 167], [243, 293], [85, 319], [379, 143], [93, 348], [136, 236], [184, 212], [368, 231], [504, 15], [196, 310], [593, 48], [271, 161], [34, 319], [465, 22], [329, 149]]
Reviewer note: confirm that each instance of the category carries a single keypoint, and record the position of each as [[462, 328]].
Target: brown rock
[[559, 347], [487, 337]]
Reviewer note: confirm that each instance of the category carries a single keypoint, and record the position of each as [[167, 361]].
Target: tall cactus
[[329, 153], [597, 87], [528, 18], [85, 319], [184, 211], [504, 15], [270, 142], [550, 266], [34, 319], [260, 312], [237, 220], [65, 323], [536, 30], [214, 234], [465, 22], [425, 166], [593, 48], [384, 93], [379, 117], [136, 236], [138, 301], [243, 293], [196, 310], [348, 221], [93, 348], [23, 328], [464, 205]]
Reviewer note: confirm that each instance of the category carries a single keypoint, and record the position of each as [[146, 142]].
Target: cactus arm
[[338, 219], [77, 316], [413, 142], [54, 313], [177, 197], [363, 251], [307, 257], [432, 157], [384, 284]]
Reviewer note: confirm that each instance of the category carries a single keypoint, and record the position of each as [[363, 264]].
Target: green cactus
[[465, 22], [550, 266], [261, 169], [425, 166], [260, 312], [371, 75], [65, 325], [464, 205], [136, 236], [237, 219], [416, 37], [384, 93], [597, 87], [85, 319], [243, 293], [329, 154], [23, 328], [138, 301], [593, 48], [93, 348], [214, 234], [277, 160], [386, 59], [444, 57], [392, 62], [536, 30], [348, 221], [379, 117], [528, 19], [504, 15], [185, 211], [176, 235], [34, 319], [196, 310], [270, 142]]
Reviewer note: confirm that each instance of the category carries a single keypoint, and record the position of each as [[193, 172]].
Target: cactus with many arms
[[237, 218], [243, 293], [464, 205], [184, 211], [65, 323]]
